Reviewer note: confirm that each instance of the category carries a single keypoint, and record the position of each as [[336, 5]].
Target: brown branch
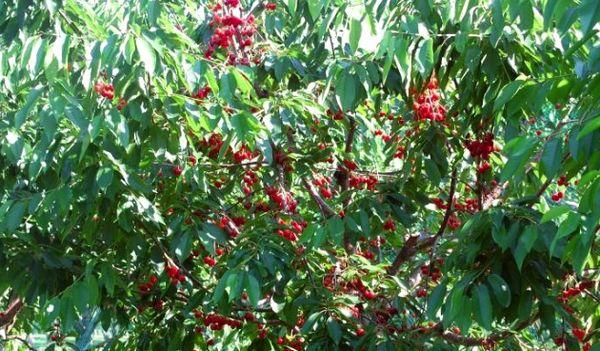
[[7, 316], [471, 341], [413, 245], [22, 340], [325, 209]]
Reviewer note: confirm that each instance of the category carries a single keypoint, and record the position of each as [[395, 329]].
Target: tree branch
[[325, 209], [7, 316], [413, 245]]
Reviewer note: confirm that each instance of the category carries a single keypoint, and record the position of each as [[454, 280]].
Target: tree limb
[[414, 245]]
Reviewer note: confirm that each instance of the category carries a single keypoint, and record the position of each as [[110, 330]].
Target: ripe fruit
[[177, 170], [280, 341], [210, 261], [360, 332]]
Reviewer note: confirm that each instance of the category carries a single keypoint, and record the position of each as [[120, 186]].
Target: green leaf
[[485, 306], [589, 127], [425, 59], [314, 7], [253, 289], [26, 109], [518, 151], [118, 126], [500, 288], [104, 178], [15, 215], [434, 302], [335, 225], [355, 32], [554, 213], [589, 12], [108, 278], [334, 330], [507, 92], [568, 226], [147, 54], [525, 244], [245, 125], [345, 87], [551, 157]]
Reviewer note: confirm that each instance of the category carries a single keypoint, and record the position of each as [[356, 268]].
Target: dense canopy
[[299, 175]]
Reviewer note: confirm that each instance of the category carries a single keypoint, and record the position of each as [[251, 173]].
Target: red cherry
[[360, 332], [177, 170], [280, 341]]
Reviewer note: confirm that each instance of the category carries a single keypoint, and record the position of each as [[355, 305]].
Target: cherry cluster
[[359, 287], [216, 321], [385, 137], [427, 105], [557, 196], [201, 94], [337, 115], [432, 270], [213, 145], [233, 33], [108, 91], [174, 273], [575, 291], [232, 225], [323, 184], [470, 205], [243, 154], [481, 148], [105, 90], [359, 181], [389, 225], [145, 288], [250, 178], [292, 232], [284, 199], [400, 152]]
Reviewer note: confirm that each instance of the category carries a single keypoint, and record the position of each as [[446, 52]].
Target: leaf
[[345, 87], [355, 32], [551, 157], [245, 125], [335, 225], [104, 178], [108, 278], [507, 92], [589, 12], [118, 126], [310, 323], [485, 306], [434, 302], [253, 288], [334, 330], [425, 59], [524, 244], [15, 215], [147, 54], [26, 109], [500, 289], [518, 151], [568, 226], [314, 7], [589, 127], [554, 213], [75, 115]]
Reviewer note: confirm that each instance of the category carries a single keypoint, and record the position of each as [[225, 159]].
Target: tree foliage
[[300, 174]]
